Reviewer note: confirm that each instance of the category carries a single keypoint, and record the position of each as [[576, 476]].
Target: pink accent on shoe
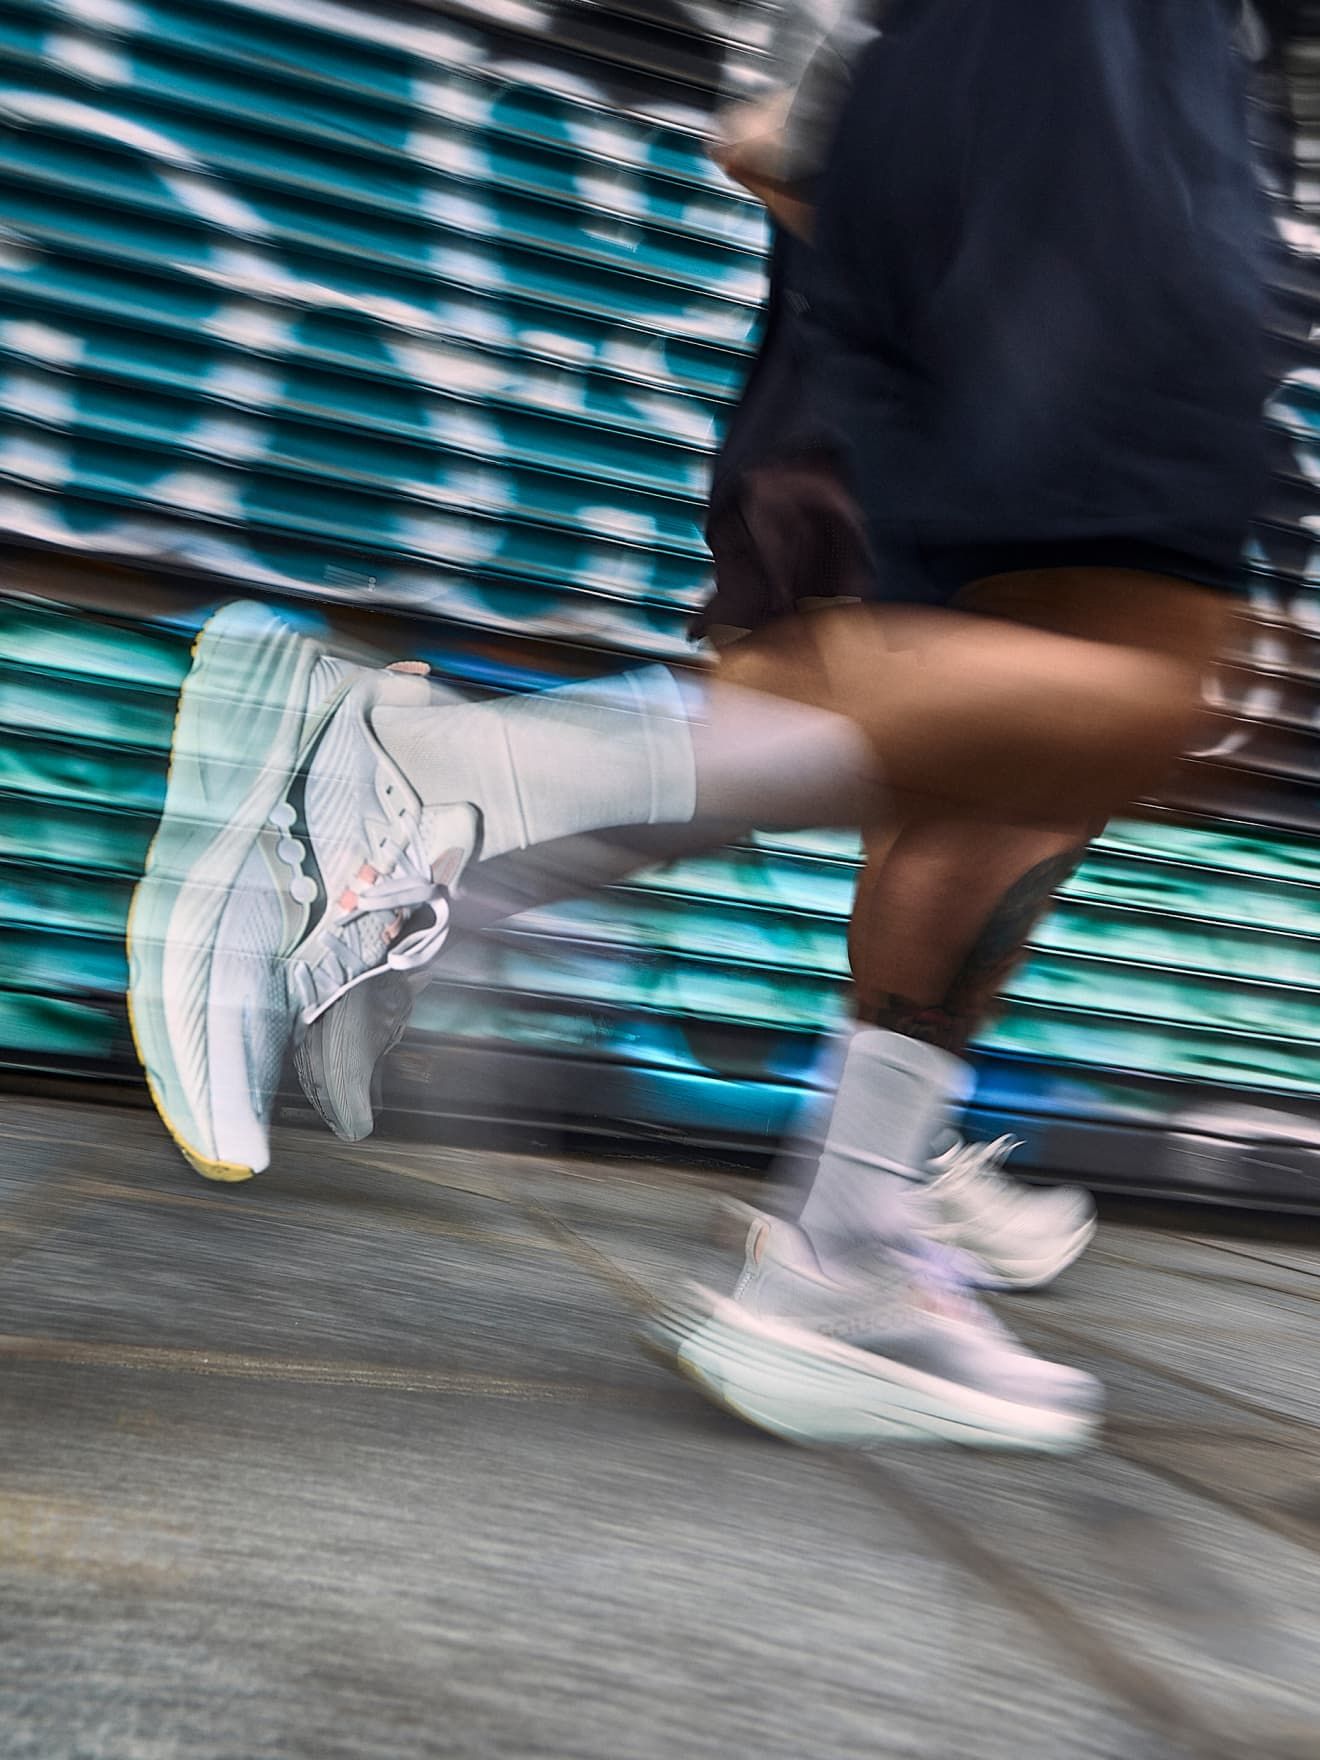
[[447, 867]]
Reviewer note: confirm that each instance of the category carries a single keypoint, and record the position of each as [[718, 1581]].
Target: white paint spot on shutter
[[452, 369], [462, 212], [449, 540], [465, 487], [229, 438], [89, 58], [465, 428], [41, 341], [244, 383], [250, 326], [467, 268], [200, 491], [463, 103], [473, 323], [567, 348], [39, 396], [608, 137], [619, 522], [617, 191], [40, 461], [110, 15], [1302, 236], [550, 389], [674, 416], [448, 153], [208, 199]]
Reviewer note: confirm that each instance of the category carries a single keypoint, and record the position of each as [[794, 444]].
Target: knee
[[1166, 703], [1140, 726]]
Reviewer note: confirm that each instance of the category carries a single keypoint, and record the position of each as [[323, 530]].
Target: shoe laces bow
[[417, 907]]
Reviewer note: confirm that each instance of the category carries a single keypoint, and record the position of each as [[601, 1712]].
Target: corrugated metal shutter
[[434, 323]]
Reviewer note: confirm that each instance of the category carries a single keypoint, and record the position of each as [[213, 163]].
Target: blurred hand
[[750, 138], [749, 149]]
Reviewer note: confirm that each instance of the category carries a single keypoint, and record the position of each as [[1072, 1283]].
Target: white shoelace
[[976, 1163], [407, 886]]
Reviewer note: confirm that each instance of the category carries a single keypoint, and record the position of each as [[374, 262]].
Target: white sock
[[895, 1098], [610, 752]]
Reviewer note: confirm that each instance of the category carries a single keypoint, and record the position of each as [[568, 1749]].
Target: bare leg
[[985, 719], [1102, 667], [942, 913], [944, 906], [943, 910], [941, 916], [969, 719], [976, 717]]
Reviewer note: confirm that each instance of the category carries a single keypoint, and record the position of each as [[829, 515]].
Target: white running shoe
[[1022, 1236], [288, 868], [891, 1348]]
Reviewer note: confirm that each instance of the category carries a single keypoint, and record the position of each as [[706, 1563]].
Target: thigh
[[1161, 614], [1066, 706]]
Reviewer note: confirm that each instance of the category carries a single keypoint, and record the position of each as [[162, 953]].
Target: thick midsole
[[244, 716], [809, 1388]]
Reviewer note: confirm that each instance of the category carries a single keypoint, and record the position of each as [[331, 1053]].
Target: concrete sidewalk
[[359, 1460]]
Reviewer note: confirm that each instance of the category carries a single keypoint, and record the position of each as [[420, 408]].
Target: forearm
[[786, 207]]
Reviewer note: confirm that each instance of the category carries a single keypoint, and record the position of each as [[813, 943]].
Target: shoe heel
[[731, 1222]]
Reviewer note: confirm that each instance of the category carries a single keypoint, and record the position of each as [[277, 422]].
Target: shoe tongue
[[375, 933], [450, 836]]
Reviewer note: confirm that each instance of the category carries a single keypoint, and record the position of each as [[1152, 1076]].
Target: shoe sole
[[808, 1389], [332, 1081], [246, 699]]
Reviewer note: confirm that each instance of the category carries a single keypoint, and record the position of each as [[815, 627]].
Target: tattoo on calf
[[950, 1022]]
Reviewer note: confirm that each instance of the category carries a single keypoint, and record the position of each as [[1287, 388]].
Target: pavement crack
[[633, 1293]]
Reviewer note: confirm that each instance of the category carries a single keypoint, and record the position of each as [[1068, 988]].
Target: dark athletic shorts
[[791, 539]]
